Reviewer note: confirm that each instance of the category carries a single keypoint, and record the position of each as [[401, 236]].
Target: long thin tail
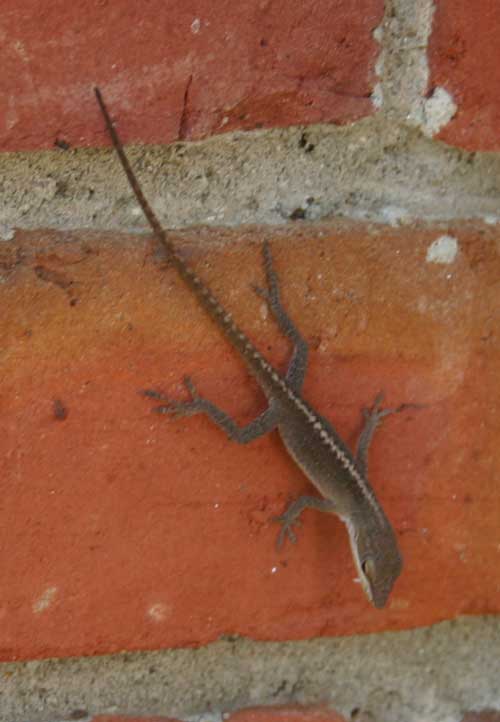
[[143, 202], [256, 362]]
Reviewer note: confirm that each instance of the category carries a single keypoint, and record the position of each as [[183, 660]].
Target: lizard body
[[310, 439]]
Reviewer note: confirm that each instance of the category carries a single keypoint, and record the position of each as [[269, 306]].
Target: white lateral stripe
[[325, 436], [275, 378]]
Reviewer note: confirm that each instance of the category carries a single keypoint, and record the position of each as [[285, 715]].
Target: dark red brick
[[124, 718], [286, 713], [464, 57], [181, 70], [484, 715]]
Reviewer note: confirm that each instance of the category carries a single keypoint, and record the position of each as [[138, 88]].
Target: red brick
[[182, 70], [124, 530], [294, 713], [284, 713], [484, 715], [124, 718], [464, 57]]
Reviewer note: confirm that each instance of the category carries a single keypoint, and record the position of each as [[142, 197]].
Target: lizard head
[[377, 560]]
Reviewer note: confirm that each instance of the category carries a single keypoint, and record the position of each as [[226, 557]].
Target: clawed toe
[[376, 412], [175, 408], [170, 409], [152, 394], [262, 292], [286, 530], [403, 407], [191, 387], [375, 415]]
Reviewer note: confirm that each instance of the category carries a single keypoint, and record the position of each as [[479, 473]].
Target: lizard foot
[[286, 530], [377, 413], [292, 514], [177, 408], [153, 394]]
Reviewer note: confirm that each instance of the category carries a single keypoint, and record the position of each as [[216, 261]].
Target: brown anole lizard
[[310, 439]]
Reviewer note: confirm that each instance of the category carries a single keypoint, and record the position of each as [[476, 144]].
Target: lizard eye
[[368, 568]]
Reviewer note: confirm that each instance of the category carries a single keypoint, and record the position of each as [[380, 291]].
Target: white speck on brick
[[158, 612], [195, 26], [44, 600], [274, 570], [443, 250], [20, 49]]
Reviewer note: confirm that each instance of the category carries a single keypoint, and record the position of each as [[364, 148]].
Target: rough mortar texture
[[371, 170], [402, 64], [403, 69], [380, 168], [434, 674]]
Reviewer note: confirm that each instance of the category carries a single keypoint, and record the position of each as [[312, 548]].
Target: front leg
[[265, 422], [291, 515], [298, 363]]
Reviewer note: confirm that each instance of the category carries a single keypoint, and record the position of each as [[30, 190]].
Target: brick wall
[[126, 531]]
